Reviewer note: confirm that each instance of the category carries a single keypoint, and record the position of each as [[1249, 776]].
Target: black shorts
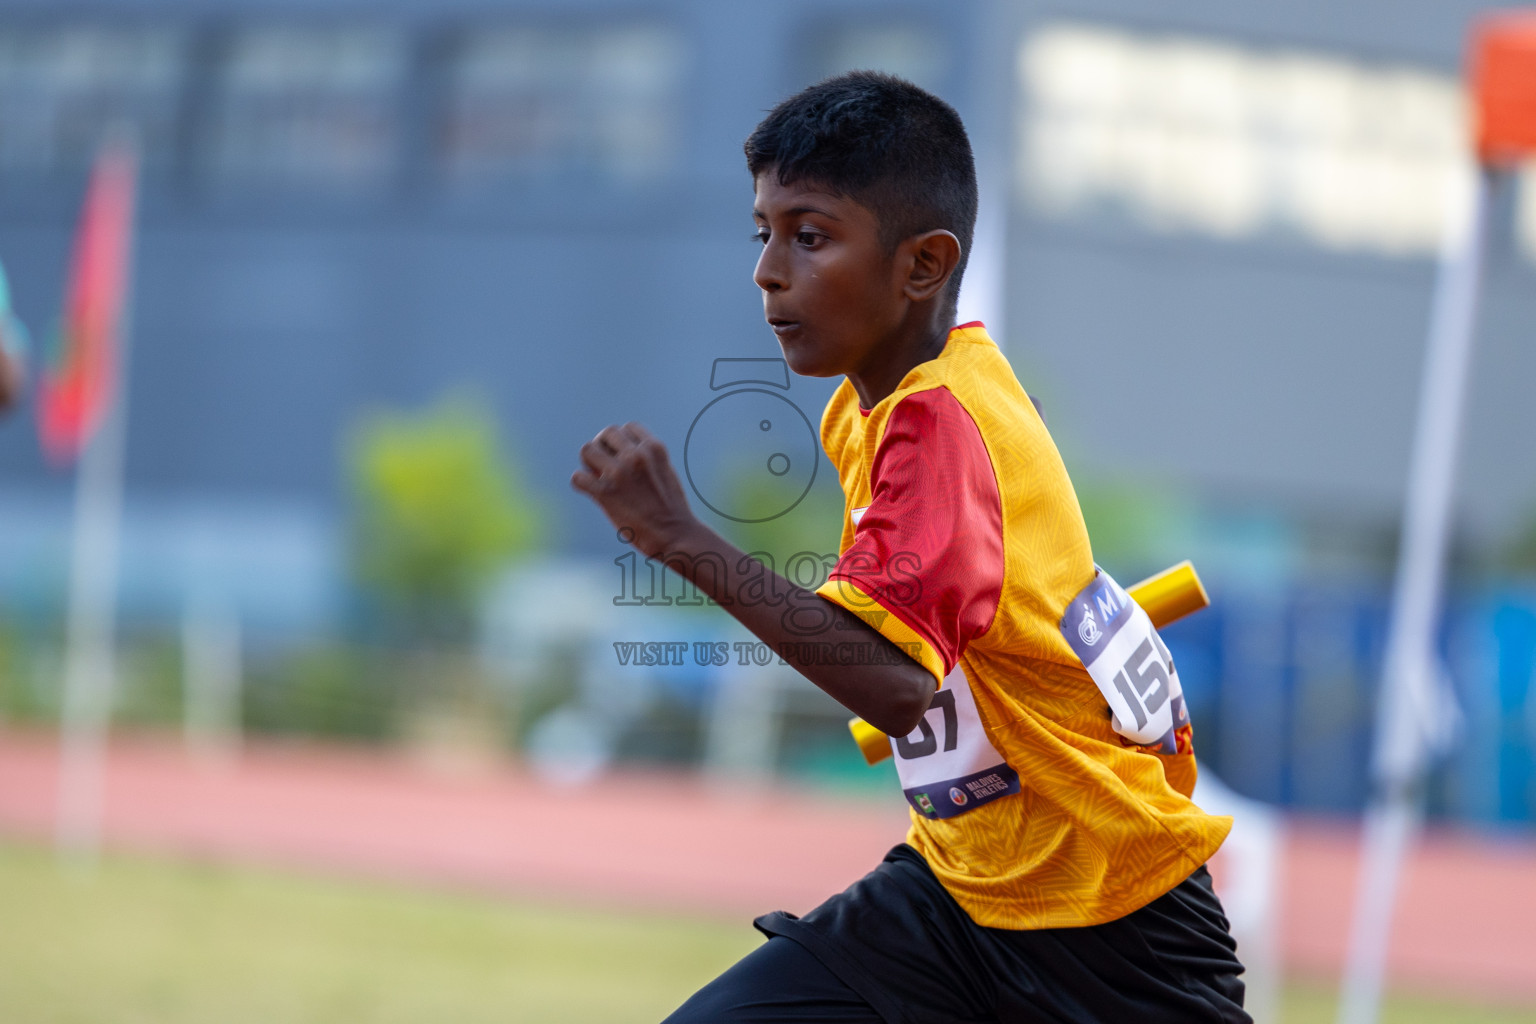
[[896, 948]]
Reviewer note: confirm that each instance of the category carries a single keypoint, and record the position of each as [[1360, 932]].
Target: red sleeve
[[929, 548]]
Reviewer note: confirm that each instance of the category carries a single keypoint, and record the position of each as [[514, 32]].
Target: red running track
[[1466, 922]]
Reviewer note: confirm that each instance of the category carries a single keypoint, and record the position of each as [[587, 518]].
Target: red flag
[[75, 388]]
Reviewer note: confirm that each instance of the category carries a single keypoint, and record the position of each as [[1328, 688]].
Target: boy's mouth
[[781, 326]]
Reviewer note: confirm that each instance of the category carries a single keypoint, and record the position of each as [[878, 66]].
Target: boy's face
[[830, 288]]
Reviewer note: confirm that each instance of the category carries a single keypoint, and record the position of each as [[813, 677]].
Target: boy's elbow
[[909, 701]]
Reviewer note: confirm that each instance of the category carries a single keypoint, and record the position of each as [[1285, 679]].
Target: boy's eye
[[760, 235], [807, 238]]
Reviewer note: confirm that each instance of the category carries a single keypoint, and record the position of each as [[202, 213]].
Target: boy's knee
[[738, 995], [706, 1006], [779, 980]]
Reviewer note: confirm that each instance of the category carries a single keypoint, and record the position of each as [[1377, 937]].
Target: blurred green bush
[[1520, 558], [438, 511], [322, 691], [26, 695], [814, 526]]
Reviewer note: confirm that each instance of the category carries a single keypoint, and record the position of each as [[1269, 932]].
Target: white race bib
[[1126, 658], [947, 765]]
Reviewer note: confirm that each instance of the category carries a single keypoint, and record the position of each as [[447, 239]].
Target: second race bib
[[1121, 650]]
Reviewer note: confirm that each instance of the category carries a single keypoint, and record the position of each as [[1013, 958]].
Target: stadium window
[[1191, 135], [912, 51], [537, 100], [308, 106], [64, 87]]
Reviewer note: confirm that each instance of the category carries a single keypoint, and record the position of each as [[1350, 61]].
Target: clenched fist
[[627, 472]]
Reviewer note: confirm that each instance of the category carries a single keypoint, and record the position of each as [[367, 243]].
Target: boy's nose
[[768, 275]]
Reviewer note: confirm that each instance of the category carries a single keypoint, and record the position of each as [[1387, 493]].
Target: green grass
[[145, 941], [149, 941], [1313, 1004]]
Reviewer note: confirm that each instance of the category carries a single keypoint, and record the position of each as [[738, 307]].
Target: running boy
[[1054, 866]]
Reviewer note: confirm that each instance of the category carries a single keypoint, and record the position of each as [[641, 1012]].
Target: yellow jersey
[[963, 543]]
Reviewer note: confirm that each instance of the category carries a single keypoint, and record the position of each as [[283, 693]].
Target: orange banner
[[1503, 81]]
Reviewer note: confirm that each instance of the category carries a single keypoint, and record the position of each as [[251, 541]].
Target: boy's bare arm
[[12, 380], [627, 472]]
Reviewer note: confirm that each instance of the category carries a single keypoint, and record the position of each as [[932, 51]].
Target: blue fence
[[1283, 692]]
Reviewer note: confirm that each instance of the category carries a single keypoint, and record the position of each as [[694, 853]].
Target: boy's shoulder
[[974, 375]]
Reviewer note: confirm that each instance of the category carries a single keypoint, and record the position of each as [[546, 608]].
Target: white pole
[[1414, 703], [89, 661], [89, 667], [984, 288], [211, 674]]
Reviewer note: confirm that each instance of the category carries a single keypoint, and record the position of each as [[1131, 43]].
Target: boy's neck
[[884, 372]]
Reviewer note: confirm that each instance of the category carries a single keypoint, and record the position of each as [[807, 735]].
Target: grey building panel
[[265, 324]]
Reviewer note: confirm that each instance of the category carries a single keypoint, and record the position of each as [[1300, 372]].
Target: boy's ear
[[934, 256]]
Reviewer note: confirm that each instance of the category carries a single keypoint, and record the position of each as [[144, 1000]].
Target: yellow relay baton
[[1166, 597]]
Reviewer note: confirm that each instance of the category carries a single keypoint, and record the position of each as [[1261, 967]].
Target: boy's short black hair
[[883, 142]]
